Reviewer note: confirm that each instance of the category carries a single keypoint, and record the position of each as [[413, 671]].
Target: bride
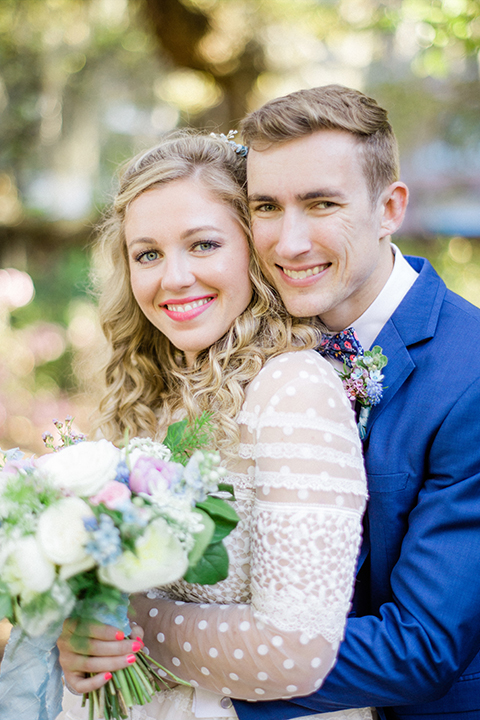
[[192, 325]]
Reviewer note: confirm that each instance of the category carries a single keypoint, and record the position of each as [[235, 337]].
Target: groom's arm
[[425, 638]]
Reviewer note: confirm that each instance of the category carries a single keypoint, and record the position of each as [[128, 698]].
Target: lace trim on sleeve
[[300, 451], [323, 481], [303, 421]]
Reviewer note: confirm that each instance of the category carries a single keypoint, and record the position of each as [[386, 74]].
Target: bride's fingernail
[[108, 676], [136, 646], [131, 659], [119, 635], [139, 639]]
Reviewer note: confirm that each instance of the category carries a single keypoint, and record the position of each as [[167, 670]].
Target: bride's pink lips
[[192, 313]]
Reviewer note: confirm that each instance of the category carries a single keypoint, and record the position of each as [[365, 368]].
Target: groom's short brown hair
[[331, 107]]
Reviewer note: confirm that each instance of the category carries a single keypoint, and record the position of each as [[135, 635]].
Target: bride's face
[[188, 258]]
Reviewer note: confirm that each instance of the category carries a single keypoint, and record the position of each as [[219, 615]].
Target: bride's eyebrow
[[200, 228], [184, 236], [140, 241]]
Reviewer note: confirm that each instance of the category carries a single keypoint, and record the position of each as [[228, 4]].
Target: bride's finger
[[81, 664], [78, 683]]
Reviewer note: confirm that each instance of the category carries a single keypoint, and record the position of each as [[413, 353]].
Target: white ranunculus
[[27, 570], [159, 559], [62, 535], [82, 469]]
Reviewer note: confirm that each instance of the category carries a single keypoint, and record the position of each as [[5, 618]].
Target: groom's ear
[[393, 203]]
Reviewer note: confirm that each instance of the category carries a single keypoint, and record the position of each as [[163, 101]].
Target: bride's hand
[[98, 649]]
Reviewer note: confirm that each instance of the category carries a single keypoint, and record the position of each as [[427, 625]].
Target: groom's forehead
[[326, 155]]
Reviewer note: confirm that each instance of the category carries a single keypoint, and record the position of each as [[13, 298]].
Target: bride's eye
[[205, 246], [147, 256]]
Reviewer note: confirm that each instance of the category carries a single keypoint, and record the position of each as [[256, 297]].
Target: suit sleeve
[[429, 633]]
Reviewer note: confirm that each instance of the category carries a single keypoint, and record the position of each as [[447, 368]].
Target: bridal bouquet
[[82, 527]]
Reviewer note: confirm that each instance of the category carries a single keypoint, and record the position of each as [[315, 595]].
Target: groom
[[325, 199]]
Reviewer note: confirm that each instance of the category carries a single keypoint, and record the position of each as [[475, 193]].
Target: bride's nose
[[177, 274]]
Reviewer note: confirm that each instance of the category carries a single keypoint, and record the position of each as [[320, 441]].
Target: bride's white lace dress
[[273, 627]]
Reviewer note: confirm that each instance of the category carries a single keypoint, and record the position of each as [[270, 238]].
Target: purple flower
[[151, 474], [355, 389]]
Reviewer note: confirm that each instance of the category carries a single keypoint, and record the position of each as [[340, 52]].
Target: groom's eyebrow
[[322, 193], [301, 197], [256, 197]]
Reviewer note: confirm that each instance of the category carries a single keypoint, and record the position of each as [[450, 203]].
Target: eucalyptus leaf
[[211, 568]]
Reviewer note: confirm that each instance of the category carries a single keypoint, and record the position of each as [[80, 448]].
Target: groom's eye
[[266, 207], [324, 204]]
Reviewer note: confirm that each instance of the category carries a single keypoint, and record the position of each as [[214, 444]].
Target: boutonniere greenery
[[363, 383]]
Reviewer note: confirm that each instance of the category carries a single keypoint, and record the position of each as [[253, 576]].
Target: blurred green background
[[86, 83]]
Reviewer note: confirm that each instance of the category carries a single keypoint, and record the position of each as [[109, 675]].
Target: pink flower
[[151, 474], [114, 495], [13, 467]]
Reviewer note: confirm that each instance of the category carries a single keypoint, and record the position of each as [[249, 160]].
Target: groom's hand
[[94, 648]]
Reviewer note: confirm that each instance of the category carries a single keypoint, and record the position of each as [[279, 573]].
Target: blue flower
[[374, 391], [105, 545], [90, 523], [123, 473]]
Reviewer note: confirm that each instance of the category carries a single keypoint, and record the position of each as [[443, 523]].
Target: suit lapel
[[415, 320]]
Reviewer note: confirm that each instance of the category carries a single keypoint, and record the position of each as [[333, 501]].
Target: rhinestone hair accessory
[[228, 138]]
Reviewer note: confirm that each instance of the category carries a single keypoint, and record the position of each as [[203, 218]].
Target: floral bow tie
[[344, 346]]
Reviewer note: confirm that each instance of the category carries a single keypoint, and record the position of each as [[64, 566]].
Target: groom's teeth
[[188, 306], [299, 274]]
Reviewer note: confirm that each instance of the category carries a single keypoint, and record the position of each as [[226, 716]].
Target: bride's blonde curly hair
[[146, 383]]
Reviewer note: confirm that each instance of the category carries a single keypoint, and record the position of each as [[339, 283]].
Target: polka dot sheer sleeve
[[273, 627]]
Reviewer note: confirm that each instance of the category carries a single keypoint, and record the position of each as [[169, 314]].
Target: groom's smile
[[311, 272]]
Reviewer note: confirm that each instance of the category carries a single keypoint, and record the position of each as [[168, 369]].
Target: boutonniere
[[363, 382]]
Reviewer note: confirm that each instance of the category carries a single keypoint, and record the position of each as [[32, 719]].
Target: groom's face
[[319, 236]]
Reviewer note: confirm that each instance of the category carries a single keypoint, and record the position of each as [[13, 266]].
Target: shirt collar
[[401, 279]]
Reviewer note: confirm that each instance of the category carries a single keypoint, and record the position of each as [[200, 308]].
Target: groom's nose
[[293, 236]]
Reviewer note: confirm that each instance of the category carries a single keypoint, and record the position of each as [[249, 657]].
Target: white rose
[[62, 535], [84, 468], [159, 559], [27, 570]]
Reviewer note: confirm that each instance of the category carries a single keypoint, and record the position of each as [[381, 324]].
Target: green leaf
[[226, 487], [183, 438], [202, 539], [6, 608], [218, 508], [174, 434], [211, 568], [223, 515]]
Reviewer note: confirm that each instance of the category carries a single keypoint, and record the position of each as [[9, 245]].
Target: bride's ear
[[394, 202]]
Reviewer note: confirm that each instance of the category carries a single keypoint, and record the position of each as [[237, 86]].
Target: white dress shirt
[[401, 279]]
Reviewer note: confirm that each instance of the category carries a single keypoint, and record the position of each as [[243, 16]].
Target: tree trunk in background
[[179, 31]]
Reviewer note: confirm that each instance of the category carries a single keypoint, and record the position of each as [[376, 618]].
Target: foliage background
[[84, 84]]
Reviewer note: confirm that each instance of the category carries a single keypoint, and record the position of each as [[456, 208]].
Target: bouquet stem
[[135, 685]]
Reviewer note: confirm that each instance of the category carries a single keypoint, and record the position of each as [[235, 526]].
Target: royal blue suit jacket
[[413, 648]]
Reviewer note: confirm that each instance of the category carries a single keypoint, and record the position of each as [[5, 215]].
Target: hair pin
[[228, 138]]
